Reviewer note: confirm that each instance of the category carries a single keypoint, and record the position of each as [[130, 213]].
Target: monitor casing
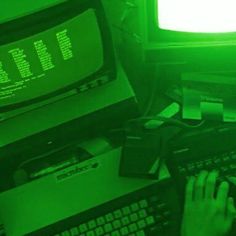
[[189, 51], [69, 117], [34, 22]]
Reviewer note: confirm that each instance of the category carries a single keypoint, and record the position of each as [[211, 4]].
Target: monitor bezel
[[35, 23]]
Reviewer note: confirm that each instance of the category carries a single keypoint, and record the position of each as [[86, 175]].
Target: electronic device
[[53, 129], [43, 60], [141, 154], [208, 97], [148, 211], [189, 34], [67, 99], [209, 149], [83, 192]]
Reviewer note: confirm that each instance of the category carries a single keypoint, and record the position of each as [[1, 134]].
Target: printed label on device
[[76, 170]]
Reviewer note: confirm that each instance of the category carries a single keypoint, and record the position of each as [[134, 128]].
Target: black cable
[[172, 121]]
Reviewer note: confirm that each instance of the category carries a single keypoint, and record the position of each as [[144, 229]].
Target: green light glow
[[203, 16]]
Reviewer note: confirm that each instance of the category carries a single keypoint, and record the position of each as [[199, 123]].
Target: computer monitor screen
[[200, 16], [179, 30], [59, 49]]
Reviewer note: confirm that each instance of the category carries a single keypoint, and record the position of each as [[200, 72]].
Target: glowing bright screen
[[203, 16]]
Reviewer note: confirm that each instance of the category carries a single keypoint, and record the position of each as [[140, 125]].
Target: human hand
[[204, 213]]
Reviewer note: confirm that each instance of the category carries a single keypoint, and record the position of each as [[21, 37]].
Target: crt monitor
[[53, 51], [179, 30]]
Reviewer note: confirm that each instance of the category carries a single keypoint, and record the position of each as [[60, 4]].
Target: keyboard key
[[200, 165], [99, 231], [233, 155], [208, 163], [124, 231], [190, 167], [154, 198], [92, 224], [117, 214], [90, 233], [133, 217], [232, 166], [133, 227], [166, 224], [182, 170], [83, 228], [74, 231], [134, 207], [116, 224], [126, 210], [115, 233], [142, 224], [167, 214], [150, 220], [142, 213], [217, 161], [101, 220], [143, 204], [226, 158], [108, 227], [156, 229], [109, 217], [161, 206], [65, 233], [224, 169], [125, 221], [140, 233]]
